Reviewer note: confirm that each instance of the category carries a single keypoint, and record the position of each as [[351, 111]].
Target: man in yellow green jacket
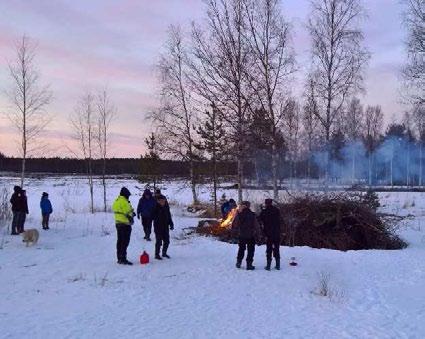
[[124, 218]]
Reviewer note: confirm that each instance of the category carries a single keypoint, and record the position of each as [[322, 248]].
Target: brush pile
[[335, 221]]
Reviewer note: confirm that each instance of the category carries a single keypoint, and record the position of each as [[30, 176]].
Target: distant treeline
[[114, 166]]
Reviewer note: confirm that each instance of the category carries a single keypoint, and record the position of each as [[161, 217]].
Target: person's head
[[268, 202], [125, 192], [157, 192], [162, 200], [232, 201], [245, 205], [147, 194], [45, 195], [17, 189]]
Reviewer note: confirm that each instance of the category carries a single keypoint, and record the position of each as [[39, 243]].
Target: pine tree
[[213, 144]]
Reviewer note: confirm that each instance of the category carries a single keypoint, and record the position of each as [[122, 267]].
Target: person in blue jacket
[[46, 210], [227, 207], [145, 209]]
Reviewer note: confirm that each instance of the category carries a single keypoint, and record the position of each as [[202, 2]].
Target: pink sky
[[86, 45]]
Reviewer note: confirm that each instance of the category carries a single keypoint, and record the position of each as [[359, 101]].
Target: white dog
[[30, 236]]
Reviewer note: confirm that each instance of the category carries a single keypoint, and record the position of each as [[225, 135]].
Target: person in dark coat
[[271, 220], [145, 210], [227, 206], [16, 202], [246, 224], [46, 210], [162, 224], [24, 210]]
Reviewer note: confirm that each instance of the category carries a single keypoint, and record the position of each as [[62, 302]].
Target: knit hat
[[268, 202], [125, 192], [45, 194]]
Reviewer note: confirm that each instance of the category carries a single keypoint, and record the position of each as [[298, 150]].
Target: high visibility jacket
[[122, 210]]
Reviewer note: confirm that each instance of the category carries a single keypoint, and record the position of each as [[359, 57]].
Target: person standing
[[271, 220], [162, 224], [24, 210], [145, 210], [16, 202], [46, 210], [246, 224], [124, 218]]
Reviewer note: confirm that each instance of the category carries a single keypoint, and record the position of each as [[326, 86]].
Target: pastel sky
[[86, 45]]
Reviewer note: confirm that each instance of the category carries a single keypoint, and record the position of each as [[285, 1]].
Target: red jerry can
[[144, 258]]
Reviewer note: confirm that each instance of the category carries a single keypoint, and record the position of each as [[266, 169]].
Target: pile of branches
[[338, 221], [335, 221]]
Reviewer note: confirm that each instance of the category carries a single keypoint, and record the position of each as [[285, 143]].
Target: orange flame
[[229, 219]]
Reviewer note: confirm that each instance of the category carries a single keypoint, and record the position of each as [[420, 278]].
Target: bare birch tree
[[292, 126], [352, 125], [419, 122], [29, 99], [338, 56], [267, 36], [175, 118], [310, 123], [414, 72], [83, 123], [219, 71], [105, 114], [373, 126]]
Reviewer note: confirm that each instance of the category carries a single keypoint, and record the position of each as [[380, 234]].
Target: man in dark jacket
[[145, 209], [162, 224], [246, 224], [271, 220], [19, 210]]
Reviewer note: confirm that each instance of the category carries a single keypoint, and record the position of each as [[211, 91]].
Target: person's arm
[[139, 208], [171, 219], [50, 207]]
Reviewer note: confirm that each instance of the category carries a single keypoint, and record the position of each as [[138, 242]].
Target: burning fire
[[229, 219]]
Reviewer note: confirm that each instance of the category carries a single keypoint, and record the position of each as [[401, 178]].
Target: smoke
[[396, 161]]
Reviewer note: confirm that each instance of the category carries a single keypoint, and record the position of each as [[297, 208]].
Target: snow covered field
[[69, 285]]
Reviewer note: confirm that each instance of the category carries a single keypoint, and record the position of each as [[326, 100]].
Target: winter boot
[[269, 263], [238, 264], [126, 262], [278, 264], [249, 266], [165, 255], [157, 256]]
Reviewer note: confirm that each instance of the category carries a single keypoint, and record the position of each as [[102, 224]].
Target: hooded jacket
[[46, 205], [270, 217], [123, 211], [146, 206]]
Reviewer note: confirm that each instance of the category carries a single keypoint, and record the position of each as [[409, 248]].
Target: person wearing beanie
[[162, 224], [17, 208], [247, 227], [271, 220], [124, 218], [46, 210], [145, 210]]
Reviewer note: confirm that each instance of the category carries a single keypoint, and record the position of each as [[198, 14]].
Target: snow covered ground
[[69, 285]]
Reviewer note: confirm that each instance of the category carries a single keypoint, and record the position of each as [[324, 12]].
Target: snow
[[69, 285]]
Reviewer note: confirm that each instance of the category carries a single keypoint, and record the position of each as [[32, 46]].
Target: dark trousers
[[123, 239], [273, 246], [18, 222], [162, 239], [147, 226], [45, 221], [243, 244]]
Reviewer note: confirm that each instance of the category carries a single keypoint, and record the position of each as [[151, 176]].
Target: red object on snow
[[144, 258]]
